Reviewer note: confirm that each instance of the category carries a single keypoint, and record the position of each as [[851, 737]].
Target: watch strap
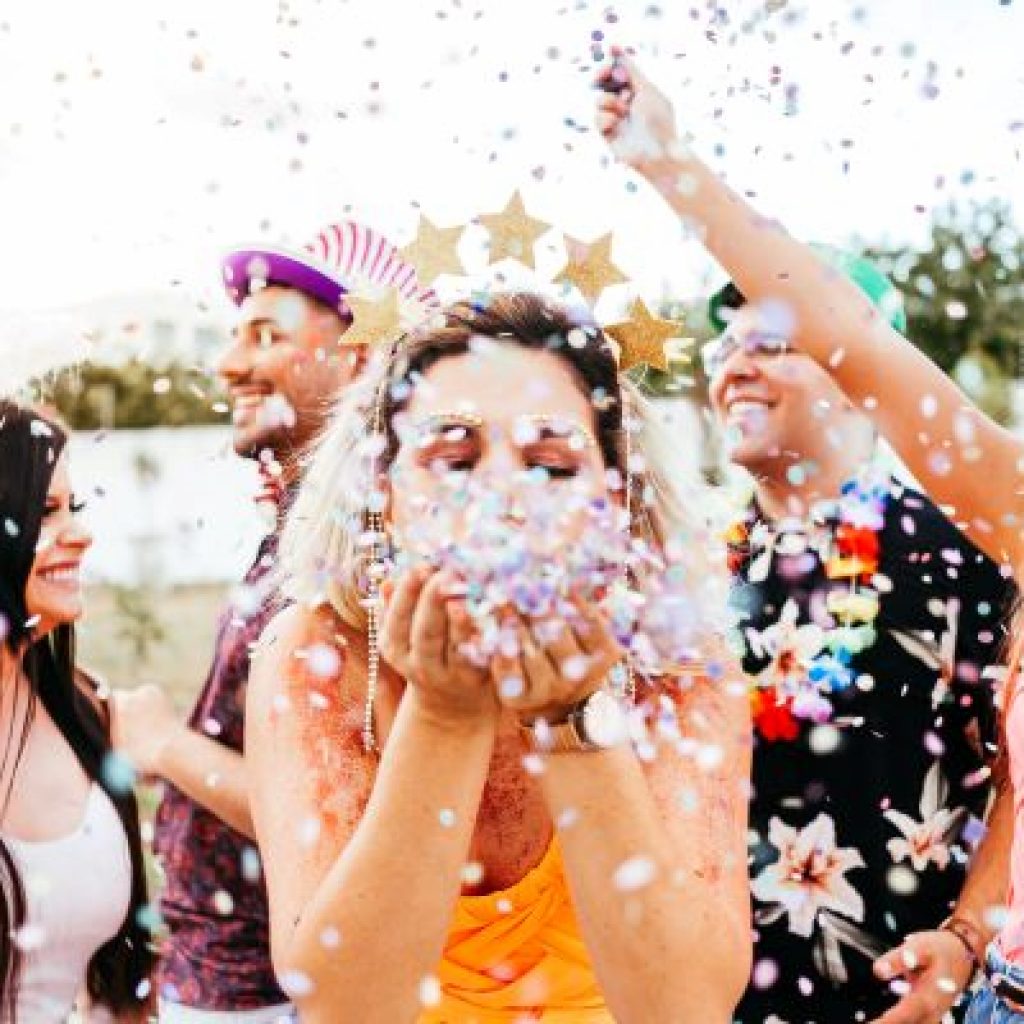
[[561, 737]]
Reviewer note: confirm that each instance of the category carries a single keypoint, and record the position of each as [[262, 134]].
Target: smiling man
[[287, 363], [867, 623]]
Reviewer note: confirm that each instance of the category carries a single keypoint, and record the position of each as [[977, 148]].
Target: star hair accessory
[[643, 338], [381, 316]]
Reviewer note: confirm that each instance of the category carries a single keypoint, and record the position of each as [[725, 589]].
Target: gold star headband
[[379, 318]]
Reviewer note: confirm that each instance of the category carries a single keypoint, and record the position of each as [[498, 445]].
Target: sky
[[138, 140]]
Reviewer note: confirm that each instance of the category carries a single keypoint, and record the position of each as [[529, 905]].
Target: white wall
[[194, 522]]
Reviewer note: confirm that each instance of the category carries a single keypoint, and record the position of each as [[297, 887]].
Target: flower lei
[[809, 663]]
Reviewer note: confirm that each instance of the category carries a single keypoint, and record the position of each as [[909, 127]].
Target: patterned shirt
[[217, 955], [870, 636]]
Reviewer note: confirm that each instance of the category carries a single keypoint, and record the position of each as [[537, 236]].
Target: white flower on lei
[[792, 648], [928, 840], [810, 874]]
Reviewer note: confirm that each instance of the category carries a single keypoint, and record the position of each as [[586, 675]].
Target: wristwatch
[[596, 723]]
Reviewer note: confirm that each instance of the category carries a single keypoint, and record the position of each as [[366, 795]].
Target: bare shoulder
[[303, 651], [304, 716]]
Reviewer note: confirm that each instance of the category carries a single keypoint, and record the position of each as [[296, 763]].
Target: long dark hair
[[30, 446]]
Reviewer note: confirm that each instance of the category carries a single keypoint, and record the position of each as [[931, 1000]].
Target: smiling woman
[[76, 933]]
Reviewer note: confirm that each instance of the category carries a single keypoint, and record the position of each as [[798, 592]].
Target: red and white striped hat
[[344, 257]]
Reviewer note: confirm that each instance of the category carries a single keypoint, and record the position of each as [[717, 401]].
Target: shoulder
[[308, 676], [296, 624]]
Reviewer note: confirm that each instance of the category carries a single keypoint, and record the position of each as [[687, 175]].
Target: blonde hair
[[325, 542]]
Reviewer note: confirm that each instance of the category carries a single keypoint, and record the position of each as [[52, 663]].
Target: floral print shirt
[[217, 952], [872, 636]]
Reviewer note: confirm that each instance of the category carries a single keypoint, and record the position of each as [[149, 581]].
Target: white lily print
[[791, 648], [810, 874], [928, 840], [937, 652]]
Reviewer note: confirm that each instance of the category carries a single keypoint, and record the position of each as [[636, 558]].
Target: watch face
[[604, 721]]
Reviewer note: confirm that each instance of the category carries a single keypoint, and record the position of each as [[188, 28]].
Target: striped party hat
[[343, 258]]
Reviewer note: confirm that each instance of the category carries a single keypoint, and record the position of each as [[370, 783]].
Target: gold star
[[375, 320], [513, 232], [590, 267], [642, 338], [434, 251]]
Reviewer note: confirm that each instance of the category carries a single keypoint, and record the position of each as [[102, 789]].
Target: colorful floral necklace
[[808, 662]]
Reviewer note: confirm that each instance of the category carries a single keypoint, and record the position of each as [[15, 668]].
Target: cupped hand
[[425, 635], [552, 664]]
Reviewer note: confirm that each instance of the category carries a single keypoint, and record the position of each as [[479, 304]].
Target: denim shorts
[[988, 1008]]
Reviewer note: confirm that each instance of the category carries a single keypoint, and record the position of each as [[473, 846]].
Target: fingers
[[594, 633], [894, 964], [556, 664], [428, 634], [506, 667], [928, 988], [460, 633], [397, 626], [915, 1008], [607, 125], [617, 106]]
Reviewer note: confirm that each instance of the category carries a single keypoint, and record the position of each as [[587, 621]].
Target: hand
[[142, 723], [635, 116], [556, 665], [937, 969], [423, 637]]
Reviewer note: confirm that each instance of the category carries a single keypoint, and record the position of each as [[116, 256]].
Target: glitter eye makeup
[[439, 425], [453, 441], [544, 426]]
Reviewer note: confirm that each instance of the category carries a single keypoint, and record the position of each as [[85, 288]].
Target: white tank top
[[78, 891]]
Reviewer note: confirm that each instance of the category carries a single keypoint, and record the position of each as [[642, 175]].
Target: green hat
[[883, 294]]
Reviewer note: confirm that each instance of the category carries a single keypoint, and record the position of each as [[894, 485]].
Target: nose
[[75, 535], [739, 367], [234, 366], [501, 458]]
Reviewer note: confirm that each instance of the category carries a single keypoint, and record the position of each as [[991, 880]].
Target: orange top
[[517, 956]]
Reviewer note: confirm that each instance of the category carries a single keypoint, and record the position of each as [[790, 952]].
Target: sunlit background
[[139, 140]]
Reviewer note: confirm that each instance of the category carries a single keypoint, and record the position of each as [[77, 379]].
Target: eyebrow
[[437, 422], [256, 322], [548, 427]]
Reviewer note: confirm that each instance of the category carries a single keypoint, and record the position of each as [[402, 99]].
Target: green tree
[[95, 396], [964, 295]]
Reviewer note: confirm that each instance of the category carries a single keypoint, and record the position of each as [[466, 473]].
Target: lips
[[64, 572], [247, 401], [743, 406]]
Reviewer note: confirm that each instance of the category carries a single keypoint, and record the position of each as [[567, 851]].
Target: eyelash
[[455, 462], [75, 507]]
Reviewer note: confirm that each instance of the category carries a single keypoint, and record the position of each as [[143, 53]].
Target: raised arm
[[363, 860], [963, 458]]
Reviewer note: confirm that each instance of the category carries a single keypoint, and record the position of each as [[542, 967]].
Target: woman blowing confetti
[[969, 464], [480, 797]]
